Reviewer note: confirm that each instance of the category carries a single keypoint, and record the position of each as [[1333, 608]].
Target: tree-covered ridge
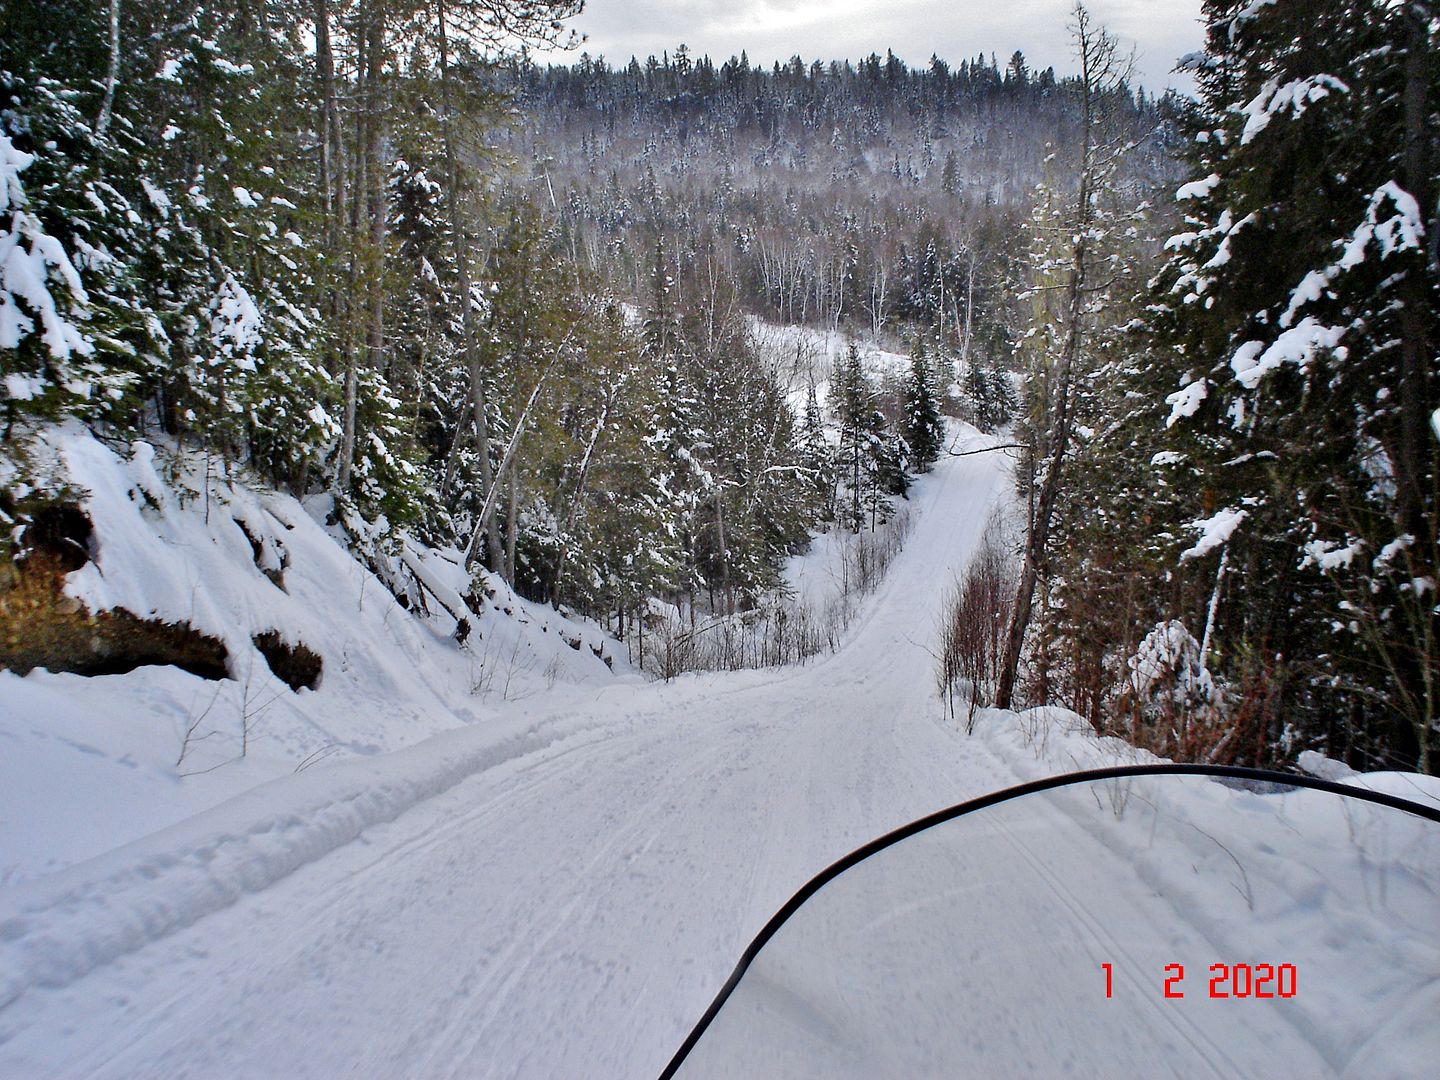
[[873, 194]]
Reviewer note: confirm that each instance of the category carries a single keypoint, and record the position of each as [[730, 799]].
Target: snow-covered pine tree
[[43, 307], [756, 511], [870, 457], [852, 402], [182, 201], [680, 480], [817, 456], [1302, 300], [989, 395], [922, 426]]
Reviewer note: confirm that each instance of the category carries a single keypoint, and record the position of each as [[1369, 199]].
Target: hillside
[[117, 755]]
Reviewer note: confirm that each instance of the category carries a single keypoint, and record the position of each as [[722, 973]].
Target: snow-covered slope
[[89, 763]]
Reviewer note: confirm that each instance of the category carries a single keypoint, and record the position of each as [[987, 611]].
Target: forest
[[371, 253]]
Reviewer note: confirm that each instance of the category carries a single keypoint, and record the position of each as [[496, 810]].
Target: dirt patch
[[295, 665], [42, 627], [60, 534]]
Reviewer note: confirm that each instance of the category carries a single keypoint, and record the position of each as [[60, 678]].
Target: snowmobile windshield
[[1158, 921]]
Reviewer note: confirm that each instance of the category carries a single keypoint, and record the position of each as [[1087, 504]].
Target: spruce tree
[[922, 426], [1302, 303], [852, 402], [818, 458]]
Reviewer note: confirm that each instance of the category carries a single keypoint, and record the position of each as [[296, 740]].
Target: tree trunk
[[511, 529], [1096, 58], [352, 224], [329, 136], [724, 555], [1415, 458], [375, 104], [612, 393], [112, 73], [478, 404], [487, 523]]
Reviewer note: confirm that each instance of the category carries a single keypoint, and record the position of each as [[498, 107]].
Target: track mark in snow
[[1216, 1059]]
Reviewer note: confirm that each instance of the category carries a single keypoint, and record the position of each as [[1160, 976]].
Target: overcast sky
[[1161, 30]]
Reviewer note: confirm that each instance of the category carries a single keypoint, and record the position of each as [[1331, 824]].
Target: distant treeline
[[873, 194]]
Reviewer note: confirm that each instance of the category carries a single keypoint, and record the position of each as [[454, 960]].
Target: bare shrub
[[781, 628], [974, 619], [868, 554]]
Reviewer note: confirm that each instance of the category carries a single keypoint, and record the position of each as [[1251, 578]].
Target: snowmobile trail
[[570, 911]]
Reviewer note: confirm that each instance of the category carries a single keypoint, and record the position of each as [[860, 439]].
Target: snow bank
[[1042, 742], [54, 930], [112, 758]]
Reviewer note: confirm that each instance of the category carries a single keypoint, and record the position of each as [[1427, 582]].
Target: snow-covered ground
[[561, 893], [87, 764], [803, 355], [978, 948]]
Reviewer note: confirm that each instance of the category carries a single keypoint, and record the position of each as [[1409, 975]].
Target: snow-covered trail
[[569, 912]]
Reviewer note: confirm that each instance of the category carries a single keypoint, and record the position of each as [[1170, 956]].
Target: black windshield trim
[[859, 855]]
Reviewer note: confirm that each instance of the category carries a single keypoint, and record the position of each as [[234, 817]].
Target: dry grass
[[973, 627]]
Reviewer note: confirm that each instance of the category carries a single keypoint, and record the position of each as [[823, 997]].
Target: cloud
[[769, 30]]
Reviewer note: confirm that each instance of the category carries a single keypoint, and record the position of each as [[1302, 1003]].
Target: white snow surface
[[88, 764], [1215, 532], [802, 355], [552, 889]]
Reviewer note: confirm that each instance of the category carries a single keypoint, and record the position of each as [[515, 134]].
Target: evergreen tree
[[990, 395], [818, 459], [852, 403], [950, 174], [1302, 303], [870, 459], [922, 426]]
